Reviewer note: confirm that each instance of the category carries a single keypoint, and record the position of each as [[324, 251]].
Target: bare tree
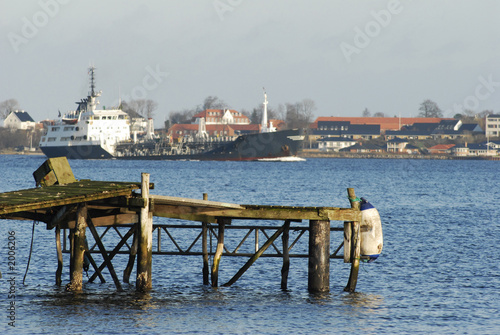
[[299, 114], [150, 108], [213, 102], [308, 106], [128, 108], [379, 114], [140, 108], [429, 108], [366, 113], [184, 116], [8, 106]]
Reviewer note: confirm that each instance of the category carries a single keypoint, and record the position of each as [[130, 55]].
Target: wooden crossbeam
[[104, 254], [253, 212], [114, 252], [252, 259]]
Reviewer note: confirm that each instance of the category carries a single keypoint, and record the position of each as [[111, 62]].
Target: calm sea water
[[439, 271]]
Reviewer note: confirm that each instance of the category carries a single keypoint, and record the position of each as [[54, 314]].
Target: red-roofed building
[[278, 124], [222, 116], [218, 122], [441, 149]]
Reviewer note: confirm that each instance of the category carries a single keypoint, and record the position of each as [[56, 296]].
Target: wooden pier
[[66, 204]]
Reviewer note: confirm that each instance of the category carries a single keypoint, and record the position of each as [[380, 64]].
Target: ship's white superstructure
[[87, 132]]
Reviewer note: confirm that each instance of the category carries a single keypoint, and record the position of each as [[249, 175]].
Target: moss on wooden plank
[[58, 195]]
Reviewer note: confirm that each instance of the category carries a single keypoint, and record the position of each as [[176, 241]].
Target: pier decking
[[65, 203]]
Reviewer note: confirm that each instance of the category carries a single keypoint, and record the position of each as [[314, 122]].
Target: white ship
[[87, 132], [91, 133]]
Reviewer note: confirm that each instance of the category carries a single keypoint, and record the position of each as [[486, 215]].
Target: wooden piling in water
[[355, 245], [286, 256], [145, 241], [75, 283], [218, 252], [319, 256], [59, 256], [71, 237], [204, 242]]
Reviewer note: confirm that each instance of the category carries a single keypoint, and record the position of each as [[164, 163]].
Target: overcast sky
[[387, 56]]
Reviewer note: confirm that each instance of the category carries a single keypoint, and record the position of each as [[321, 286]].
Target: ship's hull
[[76, 152], [249, 147]]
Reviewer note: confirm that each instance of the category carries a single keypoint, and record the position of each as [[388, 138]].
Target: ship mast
[[93, 94], [264, 127], [264, 114]]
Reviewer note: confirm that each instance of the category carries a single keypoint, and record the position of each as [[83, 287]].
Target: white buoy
[[372, 240]]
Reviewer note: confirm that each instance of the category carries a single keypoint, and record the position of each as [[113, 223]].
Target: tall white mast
[[264, 114]]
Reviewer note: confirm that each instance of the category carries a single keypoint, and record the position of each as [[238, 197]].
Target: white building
[[222, 116], [19, 120], [334, 143], [396, 145], [492, 125]]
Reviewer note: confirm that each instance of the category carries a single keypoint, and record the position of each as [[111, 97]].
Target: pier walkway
[[64, 203]]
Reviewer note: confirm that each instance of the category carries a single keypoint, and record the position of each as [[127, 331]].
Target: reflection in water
[[363, 303]]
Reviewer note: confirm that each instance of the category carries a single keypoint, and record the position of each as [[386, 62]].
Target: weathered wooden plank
[[110, 220], [160, 200], [59, 195], [209, 214]]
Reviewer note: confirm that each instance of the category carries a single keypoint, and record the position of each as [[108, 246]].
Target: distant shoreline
[[385, 155], [21, 153], [316, 154]]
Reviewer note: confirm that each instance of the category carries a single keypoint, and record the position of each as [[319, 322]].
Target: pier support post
[[71, 238], [355, 245], [319, 256], [218, 253], [204, 231], [145, 245], [286, 256], [78, 249], [59, 256]]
